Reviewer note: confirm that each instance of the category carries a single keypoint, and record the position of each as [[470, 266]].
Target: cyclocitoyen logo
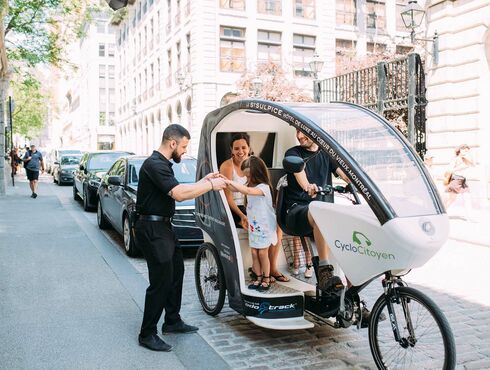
[[362, 245]]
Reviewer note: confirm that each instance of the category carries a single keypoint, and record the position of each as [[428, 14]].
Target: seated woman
[[231, 169]]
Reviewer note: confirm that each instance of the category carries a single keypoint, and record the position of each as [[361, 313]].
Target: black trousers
[[165, 271]]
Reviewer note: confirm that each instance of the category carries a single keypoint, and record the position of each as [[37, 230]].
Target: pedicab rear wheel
[[426, 339], [210, 279]]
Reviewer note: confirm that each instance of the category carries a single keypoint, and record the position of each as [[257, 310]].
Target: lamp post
[[257, 85], [316, 65], [412, 16]]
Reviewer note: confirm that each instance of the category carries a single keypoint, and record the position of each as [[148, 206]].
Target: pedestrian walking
[[456, 176], [158, 189], [33, 162]]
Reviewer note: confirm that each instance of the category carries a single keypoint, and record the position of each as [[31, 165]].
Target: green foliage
[[37, 30], [30, 107]]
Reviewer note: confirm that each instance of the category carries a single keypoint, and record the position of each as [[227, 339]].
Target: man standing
[[301, 190], [33, 160], [158, 189]]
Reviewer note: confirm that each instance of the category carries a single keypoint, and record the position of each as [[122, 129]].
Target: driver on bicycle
[[301, 190]]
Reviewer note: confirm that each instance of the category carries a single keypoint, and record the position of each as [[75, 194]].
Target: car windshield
[[69, 151], [380, 153], [69, 160], [185, 171], [103, 161]]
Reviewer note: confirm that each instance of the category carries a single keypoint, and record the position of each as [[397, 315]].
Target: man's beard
[[176, 157]]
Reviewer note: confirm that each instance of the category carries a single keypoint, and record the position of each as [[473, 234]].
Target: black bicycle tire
[[434, 310], [212, 311]]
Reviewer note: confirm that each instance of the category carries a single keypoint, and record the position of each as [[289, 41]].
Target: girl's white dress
[[261, 219]]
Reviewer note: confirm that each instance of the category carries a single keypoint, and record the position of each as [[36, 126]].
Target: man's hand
[[218, 183], [212, 175], [312, 189]]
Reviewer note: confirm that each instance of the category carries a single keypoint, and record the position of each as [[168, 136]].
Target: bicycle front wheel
[[425, 338]]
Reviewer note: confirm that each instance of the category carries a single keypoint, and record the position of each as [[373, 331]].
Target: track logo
[[361, 244]]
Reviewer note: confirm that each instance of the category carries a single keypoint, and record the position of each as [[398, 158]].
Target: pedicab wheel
[[426, 340], [210, 279]]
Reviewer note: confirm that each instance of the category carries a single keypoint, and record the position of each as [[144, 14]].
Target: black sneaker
[[328, 283], [180, 327], [34, 195], [155, 343], [366, 317]]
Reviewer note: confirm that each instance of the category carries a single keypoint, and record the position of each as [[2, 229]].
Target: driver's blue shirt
[[318, 168]]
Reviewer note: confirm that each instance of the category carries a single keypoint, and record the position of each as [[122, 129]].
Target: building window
[[345, 12], [101, 50], [232, 49], [273, 7], [375, 14], [232, 4], [177, 12], [269, 46], [111, 50], [100, 27], [304, 8], [303, 51], [101, 75], [169, 16], [374, 48], [102, 118], [344, 45], [403, 50], [168, 79], [188, 43]]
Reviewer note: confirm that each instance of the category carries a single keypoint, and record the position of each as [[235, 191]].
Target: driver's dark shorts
[[297, 219], [32, 175]]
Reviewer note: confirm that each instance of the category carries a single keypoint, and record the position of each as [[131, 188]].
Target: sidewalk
[[68, 298]]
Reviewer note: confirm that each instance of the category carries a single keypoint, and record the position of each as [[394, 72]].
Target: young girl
[[261, 217]]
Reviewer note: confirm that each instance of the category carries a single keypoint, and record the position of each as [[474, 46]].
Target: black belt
[[155, 218]]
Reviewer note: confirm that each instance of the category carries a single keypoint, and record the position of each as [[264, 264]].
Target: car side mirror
[[293, 164], [82, 167], [114, 180]]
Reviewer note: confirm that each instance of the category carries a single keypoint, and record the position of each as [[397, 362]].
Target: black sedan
[[117, 202], [87, 177], [63, 169]]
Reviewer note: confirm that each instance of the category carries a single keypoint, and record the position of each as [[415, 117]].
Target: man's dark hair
[[175, 132]]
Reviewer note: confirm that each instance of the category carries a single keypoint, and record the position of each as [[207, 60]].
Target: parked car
[[117, 202], [64, 169], [87, 177], [55, 156]]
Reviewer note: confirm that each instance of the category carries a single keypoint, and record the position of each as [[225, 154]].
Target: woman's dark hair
[[258, 171], [460, 148], [240, 136]]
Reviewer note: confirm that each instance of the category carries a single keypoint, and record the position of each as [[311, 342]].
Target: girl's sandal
[[264, 285], [255, 284], [252, 274]]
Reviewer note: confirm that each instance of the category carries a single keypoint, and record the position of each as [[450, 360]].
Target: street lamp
[[316, 65], [257, 85], [412, 16], [117, 4]]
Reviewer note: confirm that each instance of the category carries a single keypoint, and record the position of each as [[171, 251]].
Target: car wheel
[[75, 192], [101, 219], [128, 236], [86, 205]]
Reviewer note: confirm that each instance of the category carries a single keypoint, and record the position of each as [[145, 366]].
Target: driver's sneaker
[[328, 283], [308, 271], [366, 317], [178, 327]]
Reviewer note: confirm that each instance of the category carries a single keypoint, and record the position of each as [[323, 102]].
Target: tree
[[30, 107], [275, 84]]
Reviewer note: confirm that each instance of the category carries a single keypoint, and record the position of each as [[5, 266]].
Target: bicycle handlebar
[[349, 188]]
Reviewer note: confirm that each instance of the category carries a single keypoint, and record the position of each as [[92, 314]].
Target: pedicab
[[387, 221]]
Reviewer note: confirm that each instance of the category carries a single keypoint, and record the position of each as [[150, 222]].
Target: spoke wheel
[[430, 342], [210, 279], [128, 236]]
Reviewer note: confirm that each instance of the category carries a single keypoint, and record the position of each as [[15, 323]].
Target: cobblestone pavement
[[244, 345], [457, 279]]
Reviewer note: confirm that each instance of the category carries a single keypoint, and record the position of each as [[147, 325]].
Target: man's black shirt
[[318, 169], [156, 179]]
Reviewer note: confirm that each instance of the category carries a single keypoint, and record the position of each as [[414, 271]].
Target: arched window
[[169, 114], [178, 110]]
